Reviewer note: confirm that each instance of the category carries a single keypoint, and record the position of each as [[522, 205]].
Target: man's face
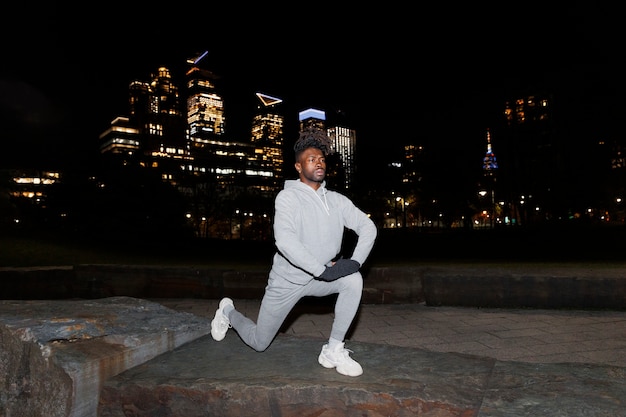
[[312, 166]]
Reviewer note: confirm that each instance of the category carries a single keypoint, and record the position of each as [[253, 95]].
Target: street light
[[403, 205]]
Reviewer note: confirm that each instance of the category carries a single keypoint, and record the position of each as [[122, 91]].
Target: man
[[309, 227]]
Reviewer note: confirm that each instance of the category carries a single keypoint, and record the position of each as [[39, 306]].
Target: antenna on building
[[197, 59]]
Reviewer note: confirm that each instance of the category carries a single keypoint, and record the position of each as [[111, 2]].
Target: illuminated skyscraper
[[268, 139], [312, 118], [205, 108], [217, 160], [341, 140], [344, 142], [489, 161], [155, 111], [487, 188]]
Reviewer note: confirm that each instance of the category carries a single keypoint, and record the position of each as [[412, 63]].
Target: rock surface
[[208, 378], [56, 354]]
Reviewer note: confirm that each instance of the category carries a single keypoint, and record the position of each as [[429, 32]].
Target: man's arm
[[365, 230]]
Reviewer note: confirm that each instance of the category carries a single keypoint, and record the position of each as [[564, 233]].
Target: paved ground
[[523, 335]]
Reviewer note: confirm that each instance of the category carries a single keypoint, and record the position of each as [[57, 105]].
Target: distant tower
[[156, 113], [312, 118], [215, 159], [267, 136], [155, 109], [205, 108], [344, 143], [487, 187], [489, 161], [539, 165]]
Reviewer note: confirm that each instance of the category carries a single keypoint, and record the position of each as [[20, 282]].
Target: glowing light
[[200, 57], [312, 113], [268, 100]]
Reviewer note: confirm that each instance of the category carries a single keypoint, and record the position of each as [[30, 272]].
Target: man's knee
[[262, 345]]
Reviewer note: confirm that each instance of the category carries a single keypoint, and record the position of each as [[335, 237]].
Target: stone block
[[57, 353]]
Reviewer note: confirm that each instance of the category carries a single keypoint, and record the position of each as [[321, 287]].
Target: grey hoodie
[[309, 227]]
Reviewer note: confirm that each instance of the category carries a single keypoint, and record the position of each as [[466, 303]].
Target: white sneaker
[[220, 323], [340, 359]]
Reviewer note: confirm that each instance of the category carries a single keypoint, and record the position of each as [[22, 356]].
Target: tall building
[[532, 166], [205, 108], [490, 212], [344, 142], [413, 165], [267, 136], [156, 114], [154, 134], [490, 165], [341, 164], [216, 160], [312, 118], [412, 189]]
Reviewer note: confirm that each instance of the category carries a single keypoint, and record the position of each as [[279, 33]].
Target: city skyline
[[402, 95], [447, 80]]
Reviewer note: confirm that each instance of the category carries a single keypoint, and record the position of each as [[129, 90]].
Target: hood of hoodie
[[321, 192]]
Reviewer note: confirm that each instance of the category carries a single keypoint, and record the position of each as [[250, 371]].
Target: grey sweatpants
[[281, 296]]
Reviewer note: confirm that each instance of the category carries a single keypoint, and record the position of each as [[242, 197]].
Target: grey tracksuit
[[308, 229]]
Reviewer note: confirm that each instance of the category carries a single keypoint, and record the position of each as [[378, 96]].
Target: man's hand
[[341, 268]]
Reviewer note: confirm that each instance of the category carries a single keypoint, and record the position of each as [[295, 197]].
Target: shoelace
[[346, 352], [224, 323]]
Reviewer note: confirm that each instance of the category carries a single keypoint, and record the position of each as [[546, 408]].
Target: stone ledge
[[484, 285], [56, 354], [547, 287]]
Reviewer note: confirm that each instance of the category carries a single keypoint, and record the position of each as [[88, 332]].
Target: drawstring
[[324, 202]]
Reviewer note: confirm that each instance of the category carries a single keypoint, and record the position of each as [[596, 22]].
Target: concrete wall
[[570, 286]]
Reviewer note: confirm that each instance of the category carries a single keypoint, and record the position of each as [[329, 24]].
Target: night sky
[[436, 73]]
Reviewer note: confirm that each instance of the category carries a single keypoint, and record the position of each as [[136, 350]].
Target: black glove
[[341, 268]]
